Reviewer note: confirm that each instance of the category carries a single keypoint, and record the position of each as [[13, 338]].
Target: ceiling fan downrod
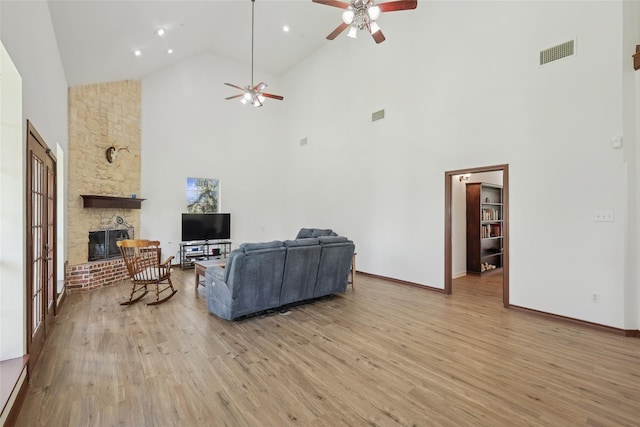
[[252, 94]]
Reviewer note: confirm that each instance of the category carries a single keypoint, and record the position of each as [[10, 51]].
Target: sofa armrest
[[216, 272], [219, 299]]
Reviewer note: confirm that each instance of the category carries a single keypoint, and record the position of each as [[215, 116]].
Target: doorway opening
[[448, 244]]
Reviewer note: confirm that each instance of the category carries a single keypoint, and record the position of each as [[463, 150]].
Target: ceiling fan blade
[[235, 96], [259, 87], [378, 36], [269, 95], [334, 3], [337, 31], [398, 5], [232, 85]]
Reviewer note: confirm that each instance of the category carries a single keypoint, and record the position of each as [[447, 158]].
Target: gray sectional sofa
[[269, 275]]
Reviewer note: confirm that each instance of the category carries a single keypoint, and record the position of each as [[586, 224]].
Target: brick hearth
[[94, 275]]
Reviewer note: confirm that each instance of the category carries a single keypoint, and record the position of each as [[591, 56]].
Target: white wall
[[189, 130], [34, 50], [27, 34], [11, 212], [461, 87]]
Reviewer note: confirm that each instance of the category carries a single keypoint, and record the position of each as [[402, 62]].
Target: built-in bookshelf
[[484, 227]]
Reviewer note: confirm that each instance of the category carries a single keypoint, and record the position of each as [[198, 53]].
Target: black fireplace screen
[[102, 244]]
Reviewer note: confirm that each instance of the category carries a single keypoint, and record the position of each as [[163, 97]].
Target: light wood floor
[[382, 355]]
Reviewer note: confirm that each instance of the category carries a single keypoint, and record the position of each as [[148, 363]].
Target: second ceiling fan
[[362, 14], [253, 94]]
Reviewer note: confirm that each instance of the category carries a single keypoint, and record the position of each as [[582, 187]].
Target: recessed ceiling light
[[169, 51], [160, 31], [285, 28], [137, 52]]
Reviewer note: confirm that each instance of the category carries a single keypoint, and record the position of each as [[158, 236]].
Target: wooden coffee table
[[202, 265]]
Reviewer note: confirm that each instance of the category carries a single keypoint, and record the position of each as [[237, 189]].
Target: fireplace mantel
[[114, 202]]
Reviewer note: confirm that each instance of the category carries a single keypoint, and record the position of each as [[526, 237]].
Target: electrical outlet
[[595, 298], [603, 216]]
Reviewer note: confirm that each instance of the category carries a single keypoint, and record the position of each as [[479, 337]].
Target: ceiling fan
[[361, 14], [253, 94]]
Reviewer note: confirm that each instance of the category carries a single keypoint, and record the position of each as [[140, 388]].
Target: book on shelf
[[490, 230], [490, 214]]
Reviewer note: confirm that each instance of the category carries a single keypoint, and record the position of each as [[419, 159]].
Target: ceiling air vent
[[557, 52]]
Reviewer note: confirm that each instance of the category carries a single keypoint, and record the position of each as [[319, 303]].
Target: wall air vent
[[378, 115], [558, 52]]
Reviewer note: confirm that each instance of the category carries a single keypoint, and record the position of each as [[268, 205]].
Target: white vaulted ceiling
[[97, 38]]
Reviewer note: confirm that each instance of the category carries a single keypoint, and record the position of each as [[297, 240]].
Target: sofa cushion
[[317, 232], [300, 270], [301, 242], [248, 247], [332, 239], [305, 233]]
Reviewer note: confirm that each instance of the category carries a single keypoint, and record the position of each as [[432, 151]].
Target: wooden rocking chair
[[142, 258]]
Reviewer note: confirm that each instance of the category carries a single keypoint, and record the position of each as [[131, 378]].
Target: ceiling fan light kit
[[362, 14], [253, 94], [253, 98], [357, 15]]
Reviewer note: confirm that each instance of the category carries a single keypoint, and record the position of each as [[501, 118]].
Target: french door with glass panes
[[41, 242]]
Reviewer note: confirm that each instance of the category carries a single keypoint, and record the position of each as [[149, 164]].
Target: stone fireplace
[[102, 116], [104, 265]]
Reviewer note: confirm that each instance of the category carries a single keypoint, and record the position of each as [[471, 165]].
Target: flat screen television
[[206, 226]]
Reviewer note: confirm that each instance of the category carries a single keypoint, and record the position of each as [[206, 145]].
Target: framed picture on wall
[[203, 195]]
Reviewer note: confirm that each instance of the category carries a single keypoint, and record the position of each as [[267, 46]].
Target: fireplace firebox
[[102, 243]]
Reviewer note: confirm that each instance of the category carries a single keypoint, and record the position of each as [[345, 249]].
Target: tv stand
[[201, 250]]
